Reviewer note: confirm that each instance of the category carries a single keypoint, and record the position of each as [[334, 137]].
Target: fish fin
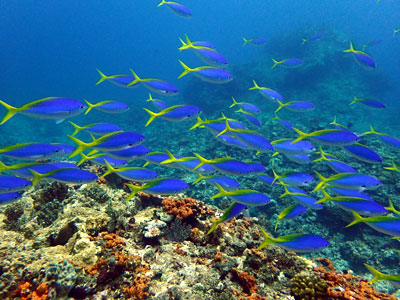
[[214, 225], [276, 177], [227, 128], [301, 137], [3, 167], [184, 45], [275, 63], [150, 98], [102, 77], [304, 41], [198, 123], [161, 3], [188, 41], [234, 102], [145, 164], [153, 115], [59, 121], [11, 111], [37, 176], [281, 105], [110, 169], [355, 100], [202, 162], [326, 197], [255, 87], [82, 146], [276, 224], [84, 158], [77, 128], [90, 106], [377, 275], [136, 80], [135, 189], [267, 239], [171, 159], [351, 49], [200, 177], [221, 193], [185, 71], [245, 41], [357, 219], [320, 184]]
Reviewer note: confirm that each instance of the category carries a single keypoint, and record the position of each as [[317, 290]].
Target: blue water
[[52, 48]]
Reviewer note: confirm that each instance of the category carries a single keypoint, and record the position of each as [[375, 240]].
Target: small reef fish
[[208, 55], [254, 41], [131, 153], [359, 205], [9, 184], [155, 85], [159, 186], [336, 165], [393, 279], [207, 73], [315, 37], [31, 151], [157, 158], [25, 172], [296, 106], [66, 149], [189, 44], [7, 198], [285, 146], [177, 8], [288, 63], [362, 58], [297, 242], [257, 167], [131, 173], [231, 141], [189, 163], [331, 137], [301, 196], [384, 224], [66, 175], [107, 106], [363, 153], [216, 126], [395, 32], [390, 141], [267, 92], [121, 80], [246, 106], [95, 128], [294, 178], [51, 108], [369, 102], [174, 113], [245, 196], [285, 124], [352, 181], [116, 163], [157, 103], [350, 193], [298, 158], [250, 117], [118, 140], [226, 183], [266, 179], [290, 212], [232, 211]]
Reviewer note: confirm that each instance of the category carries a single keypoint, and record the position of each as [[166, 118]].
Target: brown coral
[[138, 290], [246, 280], [185, 208], [26, 291]]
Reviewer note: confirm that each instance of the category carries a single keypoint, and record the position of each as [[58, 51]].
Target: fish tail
[[110, 169], [200, 177], [227, 128], [255, 87], [355, 99], [281, 105], [188, 41], [3, 167], [153, 115], [267, 239], [221, 193], [135, 189], [377, 275], [245, 41], [276, 176], [82, 146], [275, 63], [326, 197], [203, 161], [286, 193], [90, 106], [145, 164], [372, 131], [136, 80], [389, 208], [357, 219], [301, 134], [171, 159], [214, 226], [198, 123], [36, 176], [77, 128], [351, 49], [234, 102], [276, 224], [186, 69], [11, 111], [394, 167], [322, 183], [84, 158], [161, 3], [150, 98], [102, 77], [304, 41]]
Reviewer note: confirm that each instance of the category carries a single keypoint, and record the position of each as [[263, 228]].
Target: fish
[[250, 117], [131, 153], [159, 186], [177, 8], [288, 63], [107, 106], [296, 106], [362, 58], [66, 175], [131, 173], [189, 44], [226, 183], [174, 113], [294, 178], [393, 279], [383, 224], [336, 165], [243, 196], [285, 124], [155, 85], [231, 141], [254, 41], [157, 103], [31, 151], [395, 32], [158, 158], [388, 140], [290, 212], [298, 158], [285, 146], [121, 80], [300, 196], [352, 181], [115, 162], [372, 43], [267, 92], [363, 153], [25, 171], [246, 106], [266, 179], [369, 102], [331, 137], [188, 163], [207, 73], [95, 128], [392, 209], [10, 184], [350, 193], [117, 140], [208, 55], [7, 198], [394, 167], [360, 205], [257, 167], [297, 242], [51, 108], [315, 37], [233, 210]]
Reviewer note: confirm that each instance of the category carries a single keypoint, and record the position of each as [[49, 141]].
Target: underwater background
[[52, 48]]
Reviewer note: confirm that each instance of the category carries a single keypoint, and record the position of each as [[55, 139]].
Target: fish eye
[[82, 107], [130, 145]]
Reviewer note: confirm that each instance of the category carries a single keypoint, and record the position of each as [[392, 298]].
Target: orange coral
[[218, 258], [25, 291], [139, 288], [247, 281], [185, 208], [113, 241]]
